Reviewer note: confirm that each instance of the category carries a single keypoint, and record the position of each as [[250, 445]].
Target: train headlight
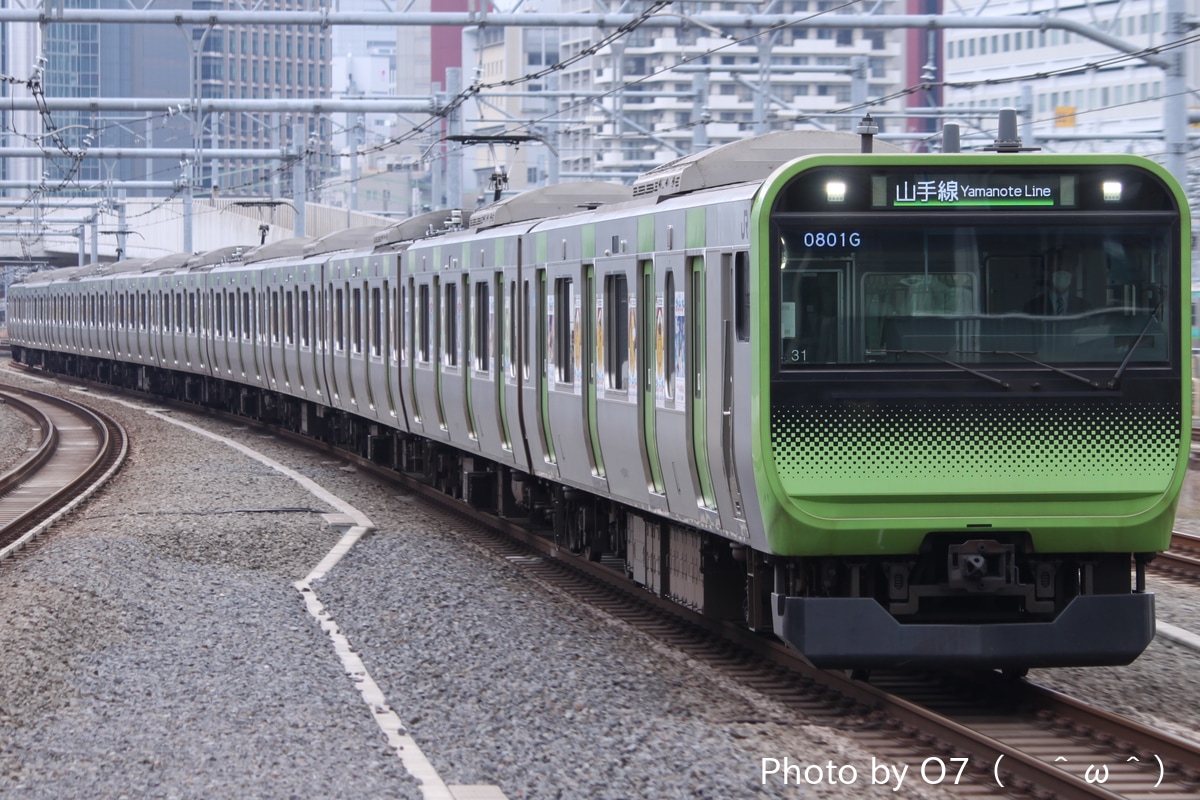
[[835, 192], [1111, 191]]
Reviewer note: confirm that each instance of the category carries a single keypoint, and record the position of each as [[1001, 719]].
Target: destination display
[[983, 190]]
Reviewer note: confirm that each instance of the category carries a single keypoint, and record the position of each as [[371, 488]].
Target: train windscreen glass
[[991, 274]]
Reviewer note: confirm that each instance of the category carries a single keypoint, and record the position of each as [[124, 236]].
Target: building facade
[[1073, 93], [626, 106]]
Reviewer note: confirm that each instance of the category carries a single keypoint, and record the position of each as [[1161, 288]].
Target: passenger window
[[376, 322], [564, 345], [482, 326], [616, 331], [741, 288], [451, 334], [339, 320], [356, 316], [669, 339], [423, 323]]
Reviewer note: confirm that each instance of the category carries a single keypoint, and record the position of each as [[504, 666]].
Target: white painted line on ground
[[1177, 635], [414, 761]]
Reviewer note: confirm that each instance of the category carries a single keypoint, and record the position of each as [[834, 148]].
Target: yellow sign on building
[[1064, 116]]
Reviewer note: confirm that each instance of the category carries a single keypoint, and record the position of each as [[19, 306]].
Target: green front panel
[[975, 449], [865, 471]]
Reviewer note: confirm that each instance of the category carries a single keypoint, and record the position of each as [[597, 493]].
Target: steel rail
[[88, 449]]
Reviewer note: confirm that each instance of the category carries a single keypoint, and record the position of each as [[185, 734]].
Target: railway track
[[1183, 559], [78, 450], [975, 735], [979, 734]]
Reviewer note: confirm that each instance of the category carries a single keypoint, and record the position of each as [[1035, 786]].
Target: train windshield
[[998, 292]]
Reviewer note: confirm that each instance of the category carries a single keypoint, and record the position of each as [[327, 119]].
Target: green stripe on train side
[[696, 235], [645, 234], [588, 242]]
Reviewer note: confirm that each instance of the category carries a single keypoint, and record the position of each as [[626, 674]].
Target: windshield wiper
[[963, 367], [1116, 376], [1073, 375]]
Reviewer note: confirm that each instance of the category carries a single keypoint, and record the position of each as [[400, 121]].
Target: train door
[[666, 365], [333, 343], [409, 339], [258, 312], [191, 332], [590, 320], [650, 325], [717, 296], [513, 355], [619, 416], [538, 327], [437, 306], [501, 360], [467, 361], [229, 343], [391, 372], [531, 358], [242, 298], [320, 334], [272, 341], [397, 332], [697, 306]]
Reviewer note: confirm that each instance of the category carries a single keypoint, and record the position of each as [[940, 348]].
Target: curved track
[[79, 450]]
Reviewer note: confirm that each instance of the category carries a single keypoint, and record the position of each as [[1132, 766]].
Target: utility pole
[[299, 167], [355, 141], [187, 207], [1175, 93], [454, 157]]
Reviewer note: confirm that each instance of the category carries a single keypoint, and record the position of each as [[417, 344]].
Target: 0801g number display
[[833, 239]]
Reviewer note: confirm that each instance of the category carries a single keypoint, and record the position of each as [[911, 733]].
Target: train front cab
[[955, 469]]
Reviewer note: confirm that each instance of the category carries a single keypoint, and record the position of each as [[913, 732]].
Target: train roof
[[213, 258], [746, 160], [550, 201], [360, 238], [420, 227], [283, 248], [58, 274]]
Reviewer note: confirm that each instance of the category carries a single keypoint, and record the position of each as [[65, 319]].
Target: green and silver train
[[895, 409]]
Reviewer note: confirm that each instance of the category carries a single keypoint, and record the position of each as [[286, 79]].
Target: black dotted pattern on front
[[923, 440]]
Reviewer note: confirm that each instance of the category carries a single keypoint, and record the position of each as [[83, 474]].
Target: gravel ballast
[[16, 436], [154, 646]]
